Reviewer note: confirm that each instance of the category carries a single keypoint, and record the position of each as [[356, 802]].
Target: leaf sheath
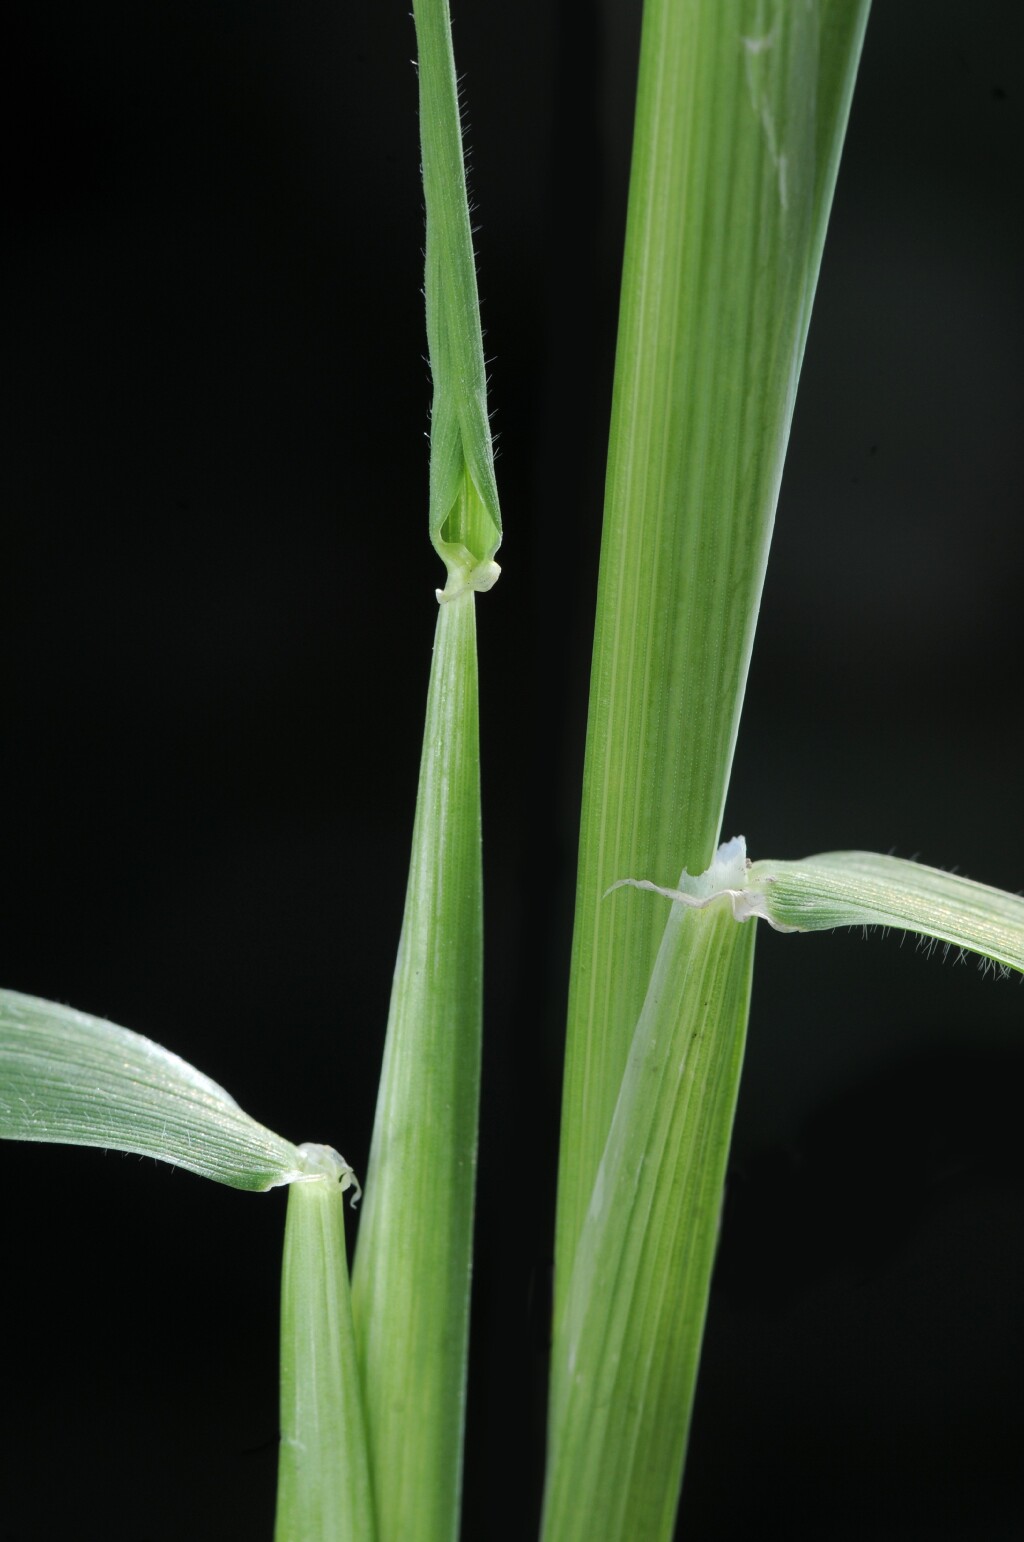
[[412, 1269], [323, 1490], [626, 1353]]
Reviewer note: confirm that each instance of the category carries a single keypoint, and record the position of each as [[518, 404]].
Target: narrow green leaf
[[857, 888], [860, 888], [412, 1268], [323, 1492], [741, 110], [465, 520], [627, 1348], [78, 1080]]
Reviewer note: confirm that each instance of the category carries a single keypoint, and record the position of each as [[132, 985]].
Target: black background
[[213, 659]]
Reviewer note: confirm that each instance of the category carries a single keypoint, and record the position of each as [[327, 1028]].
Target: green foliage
[[740, 116], [858, 888], [324, 1475], [628, 1345], [862, 888], [465, 520], [412, 1268], [413, 1264], [741, 112], [68, 1077]]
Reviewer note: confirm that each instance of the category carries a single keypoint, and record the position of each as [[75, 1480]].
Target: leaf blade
[[862, 888], [74, 1079], [741, 111], [412, 1269], [465, 516]]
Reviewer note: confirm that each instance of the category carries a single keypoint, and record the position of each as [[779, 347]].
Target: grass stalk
[[626, 1357], [741, 109], [324, 1492], [412, 1270], [465, 519]]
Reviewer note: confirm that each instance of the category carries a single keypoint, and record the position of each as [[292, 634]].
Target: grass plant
[[741, 111]]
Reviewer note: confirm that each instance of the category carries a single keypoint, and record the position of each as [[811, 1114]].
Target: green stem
[[627, 1347], [323, 1474], [412, 1270], [741, 109]]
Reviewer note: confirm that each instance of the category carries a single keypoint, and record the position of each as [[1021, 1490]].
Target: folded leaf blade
[[74, 1079], [465, 518]]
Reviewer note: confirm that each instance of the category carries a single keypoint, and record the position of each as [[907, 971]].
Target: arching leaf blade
[[863, 888], [74, 1079]]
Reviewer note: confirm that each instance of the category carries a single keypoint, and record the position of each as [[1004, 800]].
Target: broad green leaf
[[741, 110], [410, 1288], [860, 888], [465, 520], [323, 1492], [78, 1080], [626, 1352]]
